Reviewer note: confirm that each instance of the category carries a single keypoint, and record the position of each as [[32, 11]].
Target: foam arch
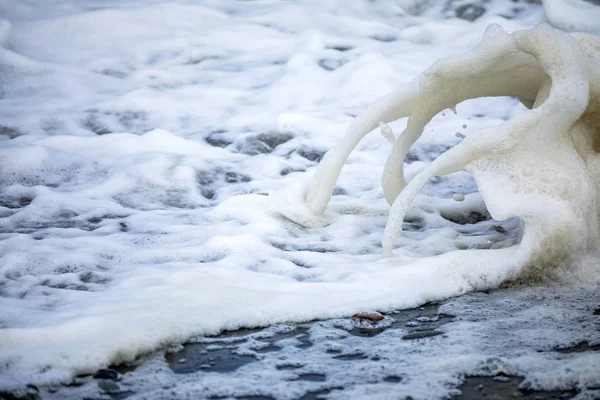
[[541, 166]]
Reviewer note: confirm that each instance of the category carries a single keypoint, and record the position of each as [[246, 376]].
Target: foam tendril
[[542, 166]]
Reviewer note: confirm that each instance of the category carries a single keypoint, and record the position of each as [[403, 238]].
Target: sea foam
[[140, 141], [540, 167]]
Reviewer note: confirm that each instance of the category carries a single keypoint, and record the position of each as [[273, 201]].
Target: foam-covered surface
[[140, 141], [534, 333]]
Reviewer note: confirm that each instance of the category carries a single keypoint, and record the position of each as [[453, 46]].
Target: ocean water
[[139, 142]]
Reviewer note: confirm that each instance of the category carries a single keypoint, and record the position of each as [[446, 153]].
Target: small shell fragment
[[368, 316]]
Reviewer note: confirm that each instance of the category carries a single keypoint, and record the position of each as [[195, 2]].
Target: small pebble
[[108, 386], [499, 229], [421, 335], [368, 316], [458, 197], [107, 373]]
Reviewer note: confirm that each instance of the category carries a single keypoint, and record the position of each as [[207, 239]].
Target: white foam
[[573, 15], [527, 168], [124, 230]]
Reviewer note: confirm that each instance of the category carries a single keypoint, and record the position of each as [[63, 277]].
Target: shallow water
[[523, 342], [139, 141]]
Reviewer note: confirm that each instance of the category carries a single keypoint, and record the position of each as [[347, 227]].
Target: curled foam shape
[[543, 166]]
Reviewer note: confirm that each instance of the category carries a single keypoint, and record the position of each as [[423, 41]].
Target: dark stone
[[274, 139], [469, 12], [329, 64], [204, 178], [320, 249], [289, 366], [413, 224], [106, 374], [217, 140], [312, 377], [253, 146], [319, 394], [31, 392], [428, 153], [486, 387], [472, 217], [286, 171], [579, 348], [338, 191], [207, 193], [123, 227], [351, 357], [93, 124], [15, 202], [499, 229], [411, 157], [108, 386], [367, 331], [392, 379], [268, 349], [25, 201], [311, 154], [421, 335], [92, 277], [10, 132], [75, 382], [233, 177], [114, 73], [384, 38], [597, 311], [340, 48]]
